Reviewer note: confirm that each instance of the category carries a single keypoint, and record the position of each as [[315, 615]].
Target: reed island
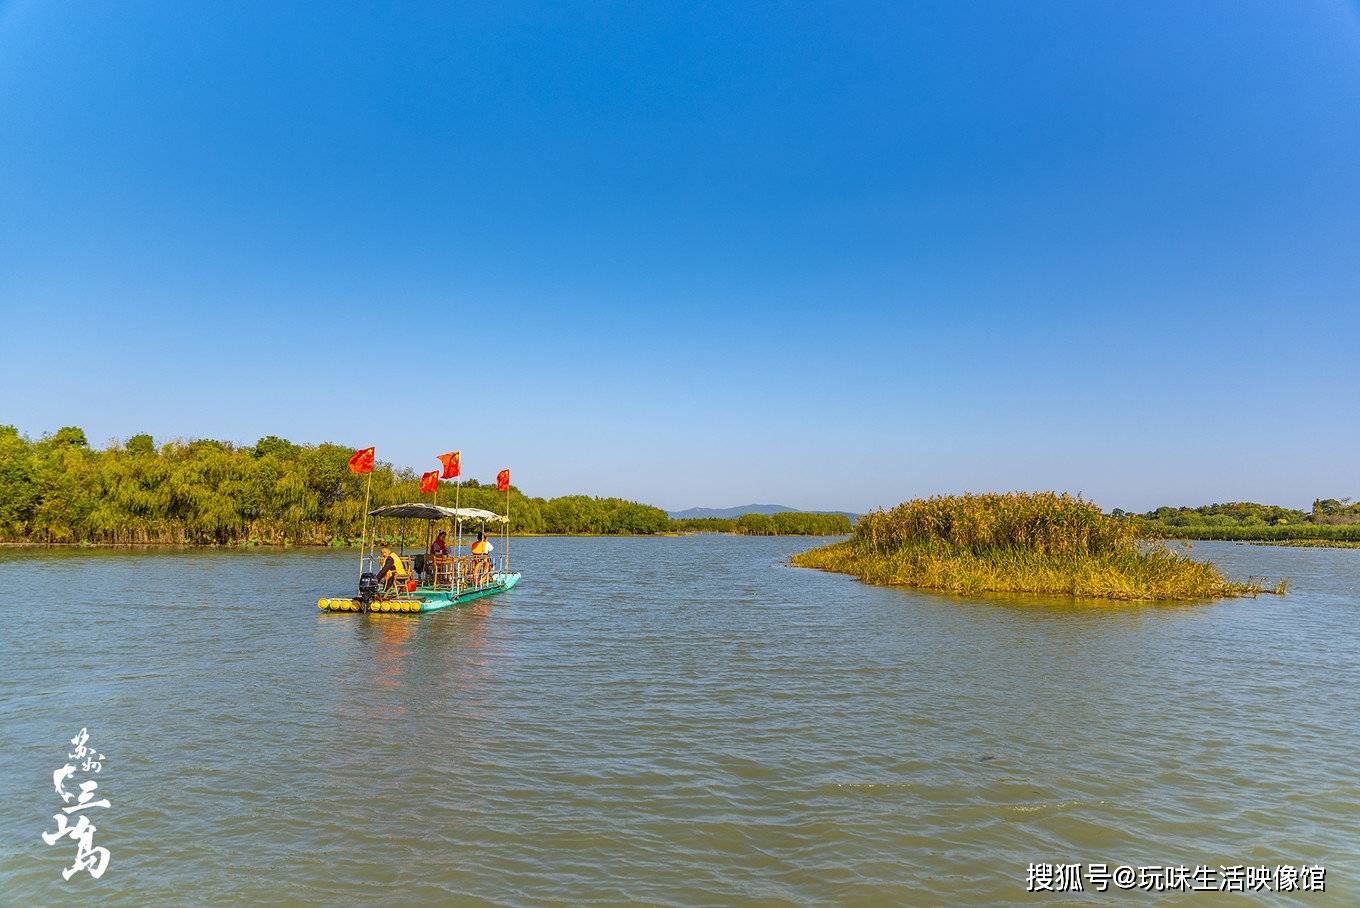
[[1023, 542]]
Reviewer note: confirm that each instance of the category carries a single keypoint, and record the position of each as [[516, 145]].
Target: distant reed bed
[[1309, 532], [1027, 542]]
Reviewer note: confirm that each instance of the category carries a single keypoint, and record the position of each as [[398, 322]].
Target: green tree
[[57, 489], [18, 491]]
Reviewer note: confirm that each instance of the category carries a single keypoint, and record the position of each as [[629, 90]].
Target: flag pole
[[363, 534], [458, 528], [429, 525]]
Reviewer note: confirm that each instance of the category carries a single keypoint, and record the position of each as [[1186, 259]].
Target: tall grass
[[1039, 542]]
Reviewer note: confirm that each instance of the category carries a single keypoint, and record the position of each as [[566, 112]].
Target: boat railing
[[455, 572], [462, 572]]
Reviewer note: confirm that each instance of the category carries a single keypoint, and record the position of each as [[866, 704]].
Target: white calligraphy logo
[[89, 857]]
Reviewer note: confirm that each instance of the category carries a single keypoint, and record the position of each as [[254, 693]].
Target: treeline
[[60, 490], [787, 523], [1329, 518]]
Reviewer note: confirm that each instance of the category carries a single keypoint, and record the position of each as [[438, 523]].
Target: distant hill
[[697, 513]]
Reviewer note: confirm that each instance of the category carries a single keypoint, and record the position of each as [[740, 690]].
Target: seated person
[[392, 571], [439, 566], [440, 546], [481, 559]]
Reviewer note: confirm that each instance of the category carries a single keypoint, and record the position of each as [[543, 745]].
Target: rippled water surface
[[665, 720]]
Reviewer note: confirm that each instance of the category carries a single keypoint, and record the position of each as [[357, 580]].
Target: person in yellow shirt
[[393, 570], [481, 564]]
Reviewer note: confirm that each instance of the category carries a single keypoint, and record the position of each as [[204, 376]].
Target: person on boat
[[440, 546], [481, 552], [392, 569]]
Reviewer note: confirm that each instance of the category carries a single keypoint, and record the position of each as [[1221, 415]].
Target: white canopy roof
[[419, 510]]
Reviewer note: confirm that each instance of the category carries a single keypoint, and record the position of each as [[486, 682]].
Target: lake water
[[681, 720]]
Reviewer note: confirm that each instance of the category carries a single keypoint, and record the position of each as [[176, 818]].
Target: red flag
[[362, 461], [429, 482], [503, 481], [453, 464]]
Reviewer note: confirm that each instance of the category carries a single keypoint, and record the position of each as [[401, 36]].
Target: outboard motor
[[368, 589]]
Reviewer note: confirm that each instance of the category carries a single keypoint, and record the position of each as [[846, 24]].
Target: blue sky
[[832, 256]]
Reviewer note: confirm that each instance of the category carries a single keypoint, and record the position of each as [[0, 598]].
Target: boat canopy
[[419, 510]]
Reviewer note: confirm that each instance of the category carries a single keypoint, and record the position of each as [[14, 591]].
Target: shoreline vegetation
[[784, 523], [1022, 542], [59, 490], [1331, 521], [1307, 543]]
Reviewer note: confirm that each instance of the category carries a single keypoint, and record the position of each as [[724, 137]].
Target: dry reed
[[1028, 542]]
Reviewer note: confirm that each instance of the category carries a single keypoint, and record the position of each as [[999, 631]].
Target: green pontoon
[[432, 581]]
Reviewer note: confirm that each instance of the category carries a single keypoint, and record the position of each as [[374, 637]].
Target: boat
[[434, 582]]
